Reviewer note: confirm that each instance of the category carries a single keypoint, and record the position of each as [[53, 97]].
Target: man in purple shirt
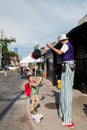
[[67, 79]]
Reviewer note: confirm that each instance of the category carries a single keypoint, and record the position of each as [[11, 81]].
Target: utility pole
[[36, 47], [1, 35]]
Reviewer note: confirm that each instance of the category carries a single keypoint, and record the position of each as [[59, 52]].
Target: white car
[[10, 67]]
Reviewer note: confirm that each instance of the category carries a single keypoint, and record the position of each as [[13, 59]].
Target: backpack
[[27, 89]]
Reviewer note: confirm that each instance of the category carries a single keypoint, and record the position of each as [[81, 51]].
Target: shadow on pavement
[[53, 105], [85, 109], [2, 114]]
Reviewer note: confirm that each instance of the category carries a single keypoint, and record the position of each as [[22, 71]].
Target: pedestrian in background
[[67, 79], [5, 71], [19, 71]]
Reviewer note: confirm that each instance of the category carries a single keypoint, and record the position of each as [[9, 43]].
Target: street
[[15, 107], [13, 111]]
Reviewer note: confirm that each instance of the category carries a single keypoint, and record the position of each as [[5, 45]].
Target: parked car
[[11, 67]]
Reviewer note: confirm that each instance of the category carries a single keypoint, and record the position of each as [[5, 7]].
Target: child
[[34, 92]]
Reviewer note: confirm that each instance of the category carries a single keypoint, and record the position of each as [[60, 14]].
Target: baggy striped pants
[[66, 94]]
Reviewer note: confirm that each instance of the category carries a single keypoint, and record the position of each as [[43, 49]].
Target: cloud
[[41, 20]]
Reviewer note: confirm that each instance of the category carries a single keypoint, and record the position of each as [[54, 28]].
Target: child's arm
[[37, 83]]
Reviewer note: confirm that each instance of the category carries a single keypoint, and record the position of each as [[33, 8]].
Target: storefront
[[78, 37]]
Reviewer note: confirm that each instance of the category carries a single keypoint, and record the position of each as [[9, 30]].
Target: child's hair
[[28, 76]]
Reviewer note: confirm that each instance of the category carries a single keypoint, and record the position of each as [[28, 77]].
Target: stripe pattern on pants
[[65, 104]]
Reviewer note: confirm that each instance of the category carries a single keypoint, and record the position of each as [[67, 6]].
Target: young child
[[34, 92]]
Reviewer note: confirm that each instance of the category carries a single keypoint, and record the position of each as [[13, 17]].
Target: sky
[[40, 22]]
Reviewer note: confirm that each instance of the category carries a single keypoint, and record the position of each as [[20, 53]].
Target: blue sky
[[38, 20]]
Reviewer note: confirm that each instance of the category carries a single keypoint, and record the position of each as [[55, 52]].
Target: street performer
[[67, 79]]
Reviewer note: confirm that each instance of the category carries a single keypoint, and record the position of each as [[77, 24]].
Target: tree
[[4, 43]]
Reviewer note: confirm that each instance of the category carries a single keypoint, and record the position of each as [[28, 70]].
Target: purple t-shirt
[[68, 56]]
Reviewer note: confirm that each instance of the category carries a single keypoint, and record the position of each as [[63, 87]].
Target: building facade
[[78, 37]]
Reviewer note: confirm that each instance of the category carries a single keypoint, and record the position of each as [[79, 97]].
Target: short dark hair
[[28, 76]]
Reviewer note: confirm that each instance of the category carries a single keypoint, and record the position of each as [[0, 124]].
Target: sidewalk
[[49, 108]]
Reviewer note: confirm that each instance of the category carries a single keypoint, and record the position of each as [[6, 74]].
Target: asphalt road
[[13, 111], [14, 114]]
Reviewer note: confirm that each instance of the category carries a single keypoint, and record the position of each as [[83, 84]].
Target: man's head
[[62, 37]]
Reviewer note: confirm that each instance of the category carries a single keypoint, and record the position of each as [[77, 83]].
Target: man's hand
[[50, 46]]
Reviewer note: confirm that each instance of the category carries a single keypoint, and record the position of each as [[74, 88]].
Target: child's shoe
[[33, 112]]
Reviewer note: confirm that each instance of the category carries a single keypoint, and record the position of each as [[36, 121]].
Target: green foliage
[[12, 54], [5, 42]]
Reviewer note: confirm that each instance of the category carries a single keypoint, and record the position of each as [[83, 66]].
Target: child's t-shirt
[[33, 90]]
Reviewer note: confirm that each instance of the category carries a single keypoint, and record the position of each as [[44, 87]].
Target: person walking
[[67, 79]]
